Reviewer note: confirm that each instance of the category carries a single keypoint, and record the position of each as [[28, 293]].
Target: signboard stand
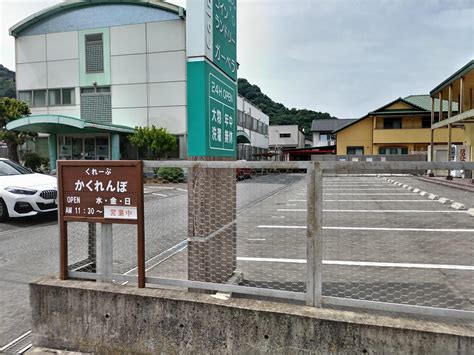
[[104, 192]]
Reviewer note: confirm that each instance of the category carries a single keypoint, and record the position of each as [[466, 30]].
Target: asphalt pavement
[[381, 242]]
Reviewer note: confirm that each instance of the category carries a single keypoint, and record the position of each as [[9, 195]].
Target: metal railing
[[212, 236]]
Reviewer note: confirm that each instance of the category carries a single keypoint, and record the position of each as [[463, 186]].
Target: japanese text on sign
[[101, 192], [221, 114]]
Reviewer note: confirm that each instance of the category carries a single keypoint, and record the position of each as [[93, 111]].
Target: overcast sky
[[346, 57]]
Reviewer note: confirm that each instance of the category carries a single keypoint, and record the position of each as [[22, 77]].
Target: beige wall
[[357, 135]]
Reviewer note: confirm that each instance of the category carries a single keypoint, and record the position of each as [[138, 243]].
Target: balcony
[[414, 135]]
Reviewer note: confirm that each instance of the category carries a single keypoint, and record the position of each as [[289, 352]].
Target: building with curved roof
[[93, 70]]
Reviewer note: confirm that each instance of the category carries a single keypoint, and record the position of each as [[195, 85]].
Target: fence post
[[314, 235], [92, 245], [106, 252]]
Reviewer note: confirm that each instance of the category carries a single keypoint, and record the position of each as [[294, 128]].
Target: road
[[29, 248], [381, 242]]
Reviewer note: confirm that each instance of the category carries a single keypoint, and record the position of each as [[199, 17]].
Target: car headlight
[[21, 190]]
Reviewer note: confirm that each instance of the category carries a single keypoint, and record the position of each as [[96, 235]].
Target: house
[[402, 126], [92, 71], [322, 130], [455, 91]]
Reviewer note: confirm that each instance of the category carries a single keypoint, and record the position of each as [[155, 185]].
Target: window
[[254, 124], [51, 97], [392, 123], [68, 97], [25, 96], [54, 97], [426, 122], [285, 135], [393, 150], [240, 118], [355, 150], [94, 53], [39, 98]]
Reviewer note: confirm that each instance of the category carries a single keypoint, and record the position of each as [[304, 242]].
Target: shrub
[[33, 161], [171, 174]]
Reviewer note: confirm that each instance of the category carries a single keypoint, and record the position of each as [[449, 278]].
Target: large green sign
[[224, 35], [212, 111]]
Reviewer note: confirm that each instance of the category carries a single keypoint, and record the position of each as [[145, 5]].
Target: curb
[[443, 183], [443, 200]]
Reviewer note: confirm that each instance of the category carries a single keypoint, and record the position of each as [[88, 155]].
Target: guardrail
[[203, 187]]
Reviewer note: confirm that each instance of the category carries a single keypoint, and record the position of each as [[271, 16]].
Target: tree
[[10, 110], [154, 141], [277, 112]]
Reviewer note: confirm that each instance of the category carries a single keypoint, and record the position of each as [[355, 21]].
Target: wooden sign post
[[105, 192]]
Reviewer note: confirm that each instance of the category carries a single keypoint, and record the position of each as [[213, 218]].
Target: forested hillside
[[279, 113], [7, 82]]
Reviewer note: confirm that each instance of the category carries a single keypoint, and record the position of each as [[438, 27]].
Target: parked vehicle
[[24, 193], [243, 173]]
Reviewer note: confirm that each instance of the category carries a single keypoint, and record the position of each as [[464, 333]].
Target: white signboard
[[463, 153], [120, 212]]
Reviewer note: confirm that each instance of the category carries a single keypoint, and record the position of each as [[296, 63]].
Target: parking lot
[[381, 242]]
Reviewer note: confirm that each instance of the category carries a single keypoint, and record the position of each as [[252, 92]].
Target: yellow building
[[458, 90], [403, 126]]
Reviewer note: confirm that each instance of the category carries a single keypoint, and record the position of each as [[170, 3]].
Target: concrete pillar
[[212, 200], [431, 157], [53, 151], [115, 146], [450, 111]]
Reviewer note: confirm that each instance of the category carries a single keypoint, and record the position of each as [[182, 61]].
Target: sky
[[345, 57]]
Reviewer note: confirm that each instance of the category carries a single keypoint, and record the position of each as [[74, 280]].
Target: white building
[[322, 130], [93, 70], [285, 136], [252, 130]]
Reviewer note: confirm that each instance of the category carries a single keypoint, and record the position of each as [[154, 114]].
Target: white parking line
[[379, 200], [157, 194], [370, 189], [374, 194], [371, 211], [184, 190], [367, 200], [448, 230], [364, 263]]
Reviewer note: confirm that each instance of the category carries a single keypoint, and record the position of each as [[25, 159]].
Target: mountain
[[279, 114], [7, 82]]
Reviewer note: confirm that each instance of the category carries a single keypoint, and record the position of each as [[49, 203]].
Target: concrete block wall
[[105, 318]]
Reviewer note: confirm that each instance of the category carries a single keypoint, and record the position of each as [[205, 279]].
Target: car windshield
[[10, 168]]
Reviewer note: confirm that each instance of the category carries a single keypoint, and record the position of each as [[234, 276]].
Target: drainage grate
[[19, 345]]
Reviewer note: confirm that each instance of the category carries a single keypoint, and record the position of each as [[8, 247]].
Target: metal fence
[[282, 230]]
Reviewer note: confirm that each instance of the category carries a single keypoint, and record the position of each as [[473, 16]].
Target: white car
[[24, 193]]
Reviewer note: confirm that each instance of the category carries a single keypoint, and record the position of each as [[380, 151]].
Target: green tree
[[154, 141], [10, 110], [278, 113]]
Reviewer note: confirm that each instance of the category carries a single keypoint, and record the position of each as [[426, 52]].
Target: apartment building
[[402, 126]]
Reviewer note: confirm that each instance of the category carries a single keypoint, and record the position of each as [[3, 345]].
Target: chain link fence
[[282, 230]]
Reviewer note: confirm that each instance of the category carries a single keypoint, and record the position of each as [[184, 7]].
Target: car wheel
[[3, 211]]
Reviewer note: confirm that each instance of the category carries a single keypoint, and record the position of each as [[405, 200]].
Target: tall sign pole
[[211, 39], [211, 45]]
